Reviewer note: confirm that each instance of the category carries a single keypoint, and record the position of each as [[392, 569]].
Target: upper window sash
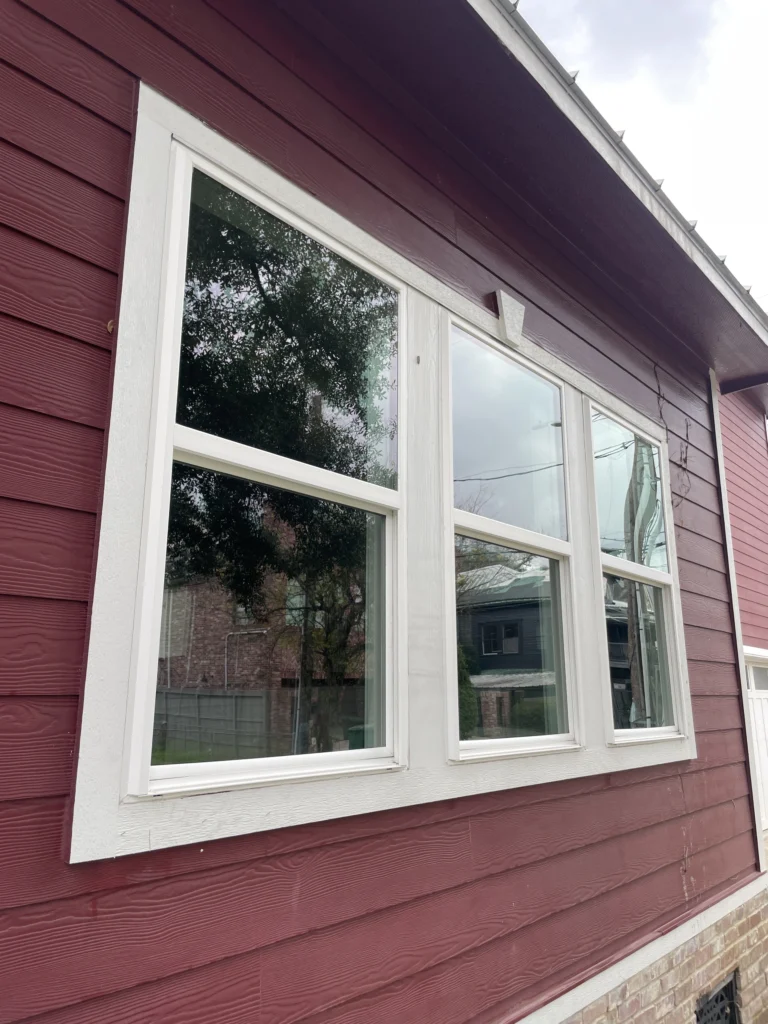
[[174, 443], [554, 625]]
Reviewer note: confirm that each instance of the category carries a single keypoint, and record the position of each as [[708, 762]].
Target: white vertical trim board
[[752, 756], [601, 984], [122, 804]]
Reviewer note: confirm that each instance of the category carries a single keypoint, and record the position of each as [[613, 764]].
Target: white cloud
[[686, 81]]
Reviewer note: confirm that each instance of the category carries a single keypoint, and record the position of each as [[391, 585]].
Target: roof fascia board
[[525, 46]]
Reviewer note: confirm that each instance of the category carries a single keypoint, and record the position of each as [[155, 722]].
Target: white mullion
[[635, 571], [471, 525], [196, 448]]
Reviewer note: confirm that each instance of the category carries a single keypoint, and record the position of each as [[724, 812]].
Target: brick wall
[[669, 989]]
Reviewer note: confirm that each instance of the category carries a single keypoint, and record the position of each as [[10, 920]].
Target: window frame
[[112, 814], [171, 442], [668, 582], [581, 558]]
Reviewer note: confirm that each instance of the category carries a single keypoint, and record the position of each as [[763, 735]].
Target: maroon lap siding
[[745, 448], [441, 913]]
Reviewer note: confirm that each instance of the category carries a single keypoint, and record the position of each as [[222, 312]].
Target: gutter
[[519, 39]]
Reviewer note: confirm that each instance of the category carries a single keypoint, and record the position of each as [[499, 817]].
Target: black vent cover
[[719, 1005]]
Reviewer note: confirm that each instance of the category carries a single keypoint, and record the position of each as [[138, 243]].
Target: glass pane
[[272, 639], [511, 679], [285, 345], [759, 677], [629, 505], [507, 440], [637, 655]]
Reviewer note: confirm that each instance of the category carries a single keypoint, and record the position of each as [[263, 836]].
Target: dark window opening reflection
[[272, 637], [286, 346], [510, 654]]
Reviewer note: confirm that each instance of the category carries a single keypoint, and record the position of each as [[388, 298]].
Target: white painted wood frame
[[120, 805]]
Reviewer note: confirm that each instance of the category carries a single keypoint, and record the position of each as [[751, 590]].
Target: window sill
[[471, 751], [635, 737], [222, 776]]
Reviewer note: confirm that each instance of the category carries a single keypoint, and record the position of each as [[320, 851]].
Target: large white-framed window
[[324, 587]]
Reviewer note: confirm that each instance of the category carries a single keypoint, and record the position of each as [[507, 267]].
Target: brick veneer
[[669, 989]]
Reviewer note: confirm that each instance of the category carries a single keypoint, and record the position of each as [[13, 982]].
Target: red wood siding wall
[[745, 447], [444, 913]]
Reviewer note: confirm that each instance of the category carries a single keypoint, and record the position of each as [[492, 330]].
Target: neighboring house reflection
[[504, 621]]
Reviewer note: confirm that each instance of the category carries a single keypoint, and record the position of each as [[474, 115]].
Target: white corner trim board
[[583, 995], [123, 804]]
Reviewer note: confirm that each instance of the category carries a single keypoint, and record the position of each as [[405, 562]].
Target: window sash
[[479, 527], [666, 581], [174, 442]]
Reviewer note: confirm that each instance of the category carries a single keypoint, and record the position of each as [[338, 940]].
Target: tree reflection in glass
[[272, 638], [286, 346]]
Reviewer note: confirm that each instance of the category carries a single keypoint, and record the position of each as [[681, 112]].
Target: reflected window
[[629, 502], [637, 655], [272, 629], [286, 346], [507, 439], [508, 688]]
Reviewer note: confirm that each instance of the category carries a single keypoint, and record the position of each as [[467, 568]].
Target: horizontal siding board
[[54, 290], [32, 871], [42, 122], [706, 612], [102, 930], [48, 460], [713, 678], [53, 374], [45, 551], [692, 547], [461, 986], [700, 580], [41, 646], [37, 736], [706, 644], [48, 55], [53, 206], [713, 713], [706, 522], [227, 992], [685, 455]]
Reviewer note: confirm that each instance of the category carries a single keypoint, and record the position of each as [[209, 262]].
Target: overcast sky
[[686, 80]]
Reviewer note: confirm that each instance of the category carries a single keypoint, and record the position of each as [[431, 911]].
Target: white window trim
[[755, 657], [118, 809]]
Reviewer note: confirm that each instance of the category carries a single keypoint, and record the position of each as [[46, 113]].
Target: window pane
[[285, 345], [629, 505], [511, 680], [759, 677], [273, 624], [634, 616], [507, 440]]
